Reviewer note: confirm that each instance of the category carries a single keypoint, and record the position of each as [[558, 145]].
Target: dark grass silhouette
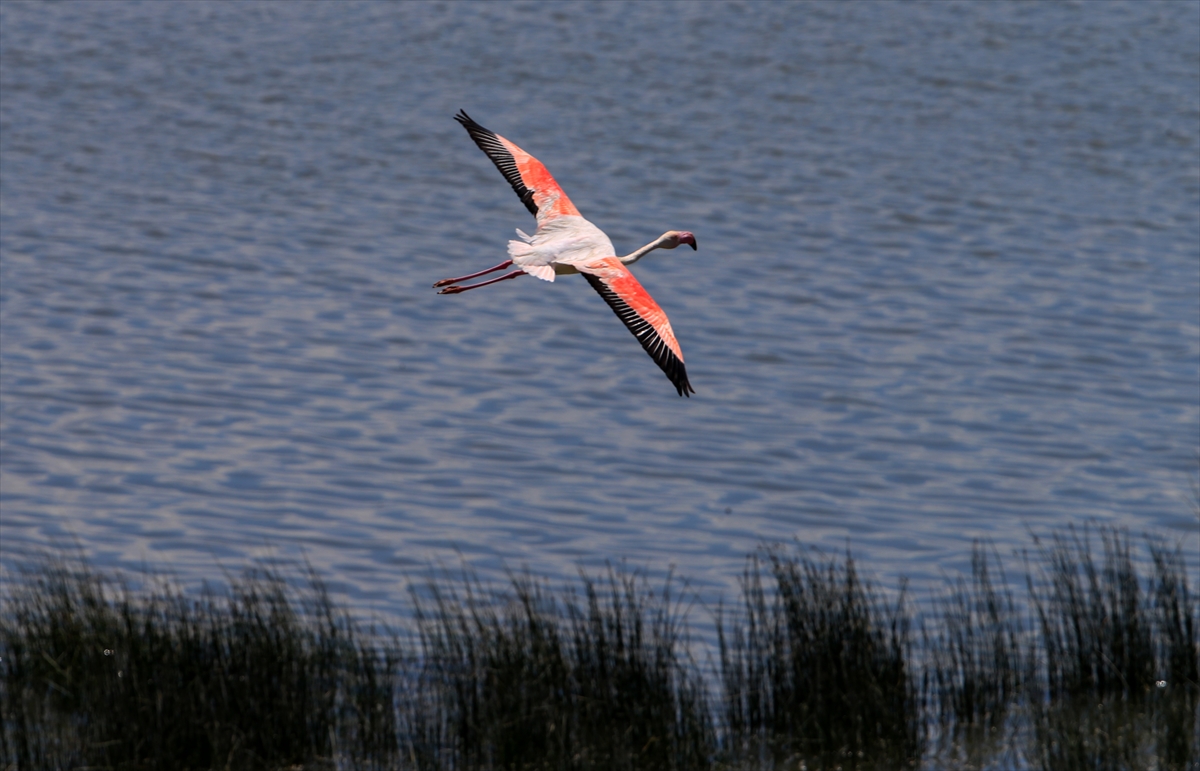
[[1102, 676], [1177, 640], [539, 681], [1119, 685], [1098, 669], [814, 668], [979, 664], [97, 677]]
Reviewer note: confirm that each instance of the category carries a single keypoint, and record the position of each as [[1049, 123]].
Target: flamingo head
[[677, 237]]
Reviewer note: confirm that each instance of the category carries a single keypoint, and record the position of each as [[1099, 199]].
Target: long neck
[[657, 243]]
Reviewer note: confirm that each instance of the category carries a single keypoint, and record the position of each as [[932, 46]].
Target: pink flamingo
[[566, 243]]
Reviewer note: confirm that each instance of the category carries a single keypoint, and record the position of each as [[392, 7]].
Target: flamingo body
[[558, 246], [565, 243]]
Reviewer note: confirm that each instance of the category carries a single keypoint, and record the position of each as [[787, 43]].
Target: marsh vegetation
[[1093, 666]]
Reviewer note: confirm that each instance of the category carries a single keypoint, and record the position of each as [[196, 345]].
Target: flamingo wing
[[637, 310], [529, 178]]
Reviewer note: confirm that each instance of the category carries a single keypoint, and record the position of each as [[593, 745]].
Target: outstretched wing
[[529, 178], [636, 308]]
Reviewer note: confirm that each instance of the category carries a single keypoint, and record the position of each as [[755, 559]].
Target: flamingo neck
[[633, 257]]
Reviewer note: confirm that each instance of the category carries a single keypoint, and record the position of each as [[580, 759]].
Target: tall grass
[[1102, 675], [1176, 638], [97, 677], [1097, 668], [815, 668], [979, 665], [539, 681], [1119, 686]]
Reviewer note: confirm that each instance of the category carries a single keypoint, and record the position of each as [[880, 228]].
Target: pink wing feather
[[637, 310], [529, 178]]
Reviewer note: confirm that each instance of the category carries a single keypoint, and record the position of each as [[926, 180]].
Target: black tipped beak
[[693, 245]]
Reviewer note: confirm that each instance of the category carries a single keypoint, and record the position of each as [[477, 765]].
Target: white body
[[558, 246]]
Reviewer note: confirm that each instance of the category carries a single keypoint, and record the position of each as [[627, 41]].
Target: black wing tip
[[473, 128], [489, 142], [671, 365], [678, 377]]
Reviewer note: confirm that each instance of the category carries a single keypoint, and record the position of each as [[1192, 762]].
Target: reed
[[815, 670], [1177, 692], [1101, 674], [95, 676], [1118, 684], [979, 665], [1097, 668], [538, 681]]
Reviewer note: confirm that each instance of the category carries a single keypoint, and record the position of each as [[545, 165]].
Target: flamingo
[[566, 243]]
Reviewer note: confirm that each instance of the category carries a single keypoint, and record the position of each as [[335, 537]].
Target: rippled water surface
[[948, 283]]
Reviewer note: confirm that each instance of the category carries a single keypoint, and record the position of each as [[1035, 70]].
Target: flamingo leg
[[457, 289], [448, 281]]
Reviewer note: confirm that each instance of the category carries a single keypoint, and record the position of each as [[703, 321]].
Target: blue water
[[948, 284]]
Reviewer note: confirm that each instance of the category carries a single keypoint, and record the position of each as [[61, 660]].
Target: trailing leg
[[457, 289], [448, 281]]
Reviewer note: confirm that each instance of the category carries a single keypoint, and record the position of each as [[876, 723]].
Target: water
[[948, 284]]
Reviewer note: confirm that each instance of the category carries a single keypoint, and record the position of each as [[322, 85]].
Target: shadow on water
[[815, 671]]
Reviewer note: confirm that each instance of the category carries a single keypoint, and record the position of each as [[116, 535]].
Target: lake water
[[948, 284]]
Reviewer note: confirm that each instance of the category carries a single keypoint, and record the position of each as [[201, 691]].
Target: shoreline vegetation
[[1096, 667]]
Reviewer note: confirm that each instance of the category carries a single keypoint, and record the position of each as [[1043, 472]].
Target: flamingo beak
[[689, 239]]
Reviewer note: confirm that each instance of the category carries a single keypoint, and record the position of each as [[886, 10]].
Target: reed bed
[[815, 670], [1095, 666], [94, 676], [538, 681]]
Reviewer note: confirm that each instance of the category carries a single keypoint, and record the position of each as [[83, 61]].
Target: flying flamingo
[[566, 243]]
